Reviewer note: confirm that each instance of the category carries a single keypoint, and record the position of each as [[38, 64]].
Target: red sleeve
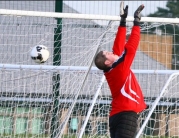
[[119, 42], [131, 46]]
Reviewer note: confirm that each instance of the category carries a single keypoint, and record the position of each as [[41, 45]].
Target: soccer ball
[[39, 54]]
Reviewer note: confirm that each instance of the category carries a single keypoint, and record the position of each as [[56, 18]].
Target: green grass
[[87, 136], [68, 136], [160, 137], [45, 136], [23, 136]]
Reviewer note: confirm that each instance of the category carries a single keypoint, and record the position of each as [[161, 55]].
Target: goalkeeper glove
[[137, 15], [123, 13]]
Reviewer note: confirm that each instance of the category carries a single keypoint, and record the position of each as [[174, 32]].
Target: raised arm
[[120, 39], [133, 42], [134, 38]]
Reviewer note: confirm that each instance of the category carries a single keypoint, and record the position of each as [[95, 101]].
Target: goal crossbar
[[83, 16]]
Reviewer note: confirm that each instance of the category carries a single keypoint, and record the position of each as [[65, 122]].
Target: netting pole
[[98, 90], [91, 107], [155, 104], [56, 77]]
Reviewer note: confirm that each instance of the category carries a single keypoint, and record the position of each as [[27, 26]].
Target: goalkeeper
[[127, 97]]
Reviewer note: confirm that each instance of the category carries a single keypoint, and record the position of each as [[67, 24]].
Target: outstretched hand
[[123, 12], [137, 12]]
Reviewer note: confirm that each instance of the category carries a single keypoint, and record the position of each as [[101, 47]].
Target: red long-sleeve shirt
[[126, 92]]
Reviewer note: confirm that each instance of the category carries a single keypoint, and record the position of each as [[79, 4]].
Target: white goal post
[[83, 16], [68, 96]]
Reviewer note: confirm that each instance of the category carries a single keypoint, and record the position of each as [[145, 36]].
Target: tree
[[171, 11]]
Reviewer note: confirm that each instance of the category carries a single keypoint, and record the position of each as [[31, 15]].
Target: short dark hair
[[99, 61]]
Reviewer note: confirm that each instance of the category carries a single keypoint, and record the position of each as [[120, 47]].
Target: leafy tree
[[171, 11]]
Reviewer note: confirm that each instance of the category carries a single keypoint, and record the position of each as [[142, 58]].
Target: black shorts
[[123, 125]]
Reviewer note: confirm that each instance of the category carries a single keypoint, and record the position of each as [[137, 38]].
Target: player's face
[[110, 57]]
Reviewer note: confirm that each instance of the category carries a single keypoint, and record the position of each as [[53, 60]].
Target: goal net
[[67, 96]]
